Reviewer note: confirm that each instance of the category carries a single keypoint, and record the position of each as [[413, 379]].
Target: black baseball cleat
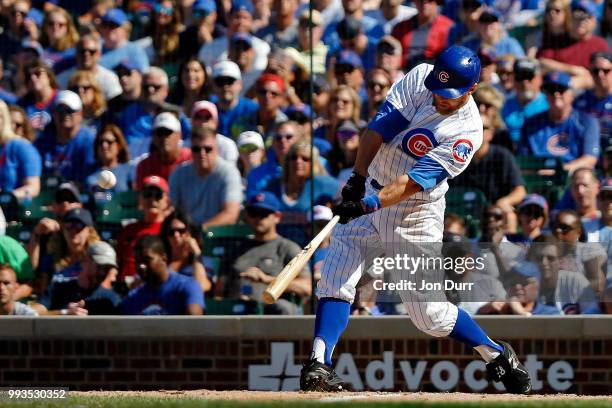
[[508, 369], [316, 376]]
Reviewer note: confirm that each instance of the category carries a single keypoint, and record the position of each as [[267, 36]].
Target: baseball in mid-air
[[107, 179]]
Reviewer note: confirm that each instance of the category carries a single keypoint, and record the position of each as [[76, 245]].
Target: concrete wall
[[216, 352]]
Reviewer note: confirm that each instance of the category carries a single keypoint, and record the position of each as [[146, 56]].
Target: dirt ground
[[345, 396]]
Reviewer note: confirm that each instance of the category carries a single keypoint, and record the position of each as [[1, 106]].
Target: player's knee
[[436, 319]]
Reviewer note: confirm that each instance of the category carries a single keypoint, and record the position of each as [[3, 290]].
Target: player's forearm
[[369, 143], [397, 191], [582, 161]]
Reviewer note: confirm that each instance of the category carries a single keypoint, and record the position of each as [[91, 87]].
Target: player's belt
[[376, 185]]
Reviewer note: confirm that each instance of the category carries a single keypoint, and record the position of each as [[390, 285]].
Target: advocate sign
[[283, 374]]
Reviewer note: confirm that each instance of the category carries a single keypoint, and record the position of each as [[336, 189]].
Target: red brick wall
[[152, 364]]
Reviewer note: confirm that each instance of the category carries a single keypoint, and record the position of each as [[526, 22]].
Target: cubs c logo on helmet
[[443, 76], [462, 149], [418, 142]]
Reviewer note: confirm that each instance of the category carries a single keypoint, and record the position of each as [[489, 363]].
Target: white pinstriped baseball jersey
[[450, 140]]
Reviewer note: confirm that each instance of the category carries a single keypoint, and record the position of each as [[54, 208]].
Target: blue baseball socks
[[332, 319], [467, 331]]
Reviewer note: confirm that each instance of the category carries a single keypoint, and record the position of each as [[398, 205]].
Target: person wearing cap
[[532, 217], [342, 158], [351, 37], [242, 53], [9, 306], [285, 135], [41, 87], [66, 145], [154, 202], [523, 291], [302, 52], [281, 31], [203, 29], [164, 292], [130, 79], [115, 30], [598, 101], [391, 13], [265, 256], [236, 113], [240, 21], [562, 132], [467, 25], [252, 152], [167, 153], [348, 70], [90, 293], [208, 189], [572, 53], [205, 113], [492, 35], [389, 57], [271, 96], [88, 53], [20, 163], [424, 35], [528, 99], [354, 9]]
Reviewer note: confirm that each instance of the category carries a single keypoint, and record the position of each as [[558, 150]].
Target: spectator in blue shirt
[[598, 101], [352, 37], [20, 164], [59, 37], [562, 131], [354, 8], [236, 114], [528, 100], [164, 291], [41, 88], [115, 30], [491, 34], [65, 146]]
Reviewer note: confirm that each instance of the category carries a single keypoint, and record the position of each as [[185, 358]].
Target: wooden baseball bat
[[293, 268]]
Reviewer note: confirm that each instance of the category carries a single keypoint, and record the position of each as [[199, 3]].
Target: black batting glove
[[347, 210], [354, 190]]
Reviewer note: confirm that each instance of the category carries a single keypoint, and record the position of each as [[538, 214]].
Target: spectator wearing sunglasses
[[598, 101], [203, 30], [236, 114], [282, 30], [264, 257], [466, 28], [528, 99], [167, 152], [163, 32], [587, 259], [378, 84], [208, 188], [285, 135], [252, 153], [111, 153], [41, 87], [523, 292], [573, 53], [242, 53], [115, 30], [532, 217], [351, 37], [154, 203], [88, 53], [348, 70], [499, 254], [389, 57], [302, 52], [271, 96], [59, 36], [66, 145], [205, 113], [561, 132], [130, 80]]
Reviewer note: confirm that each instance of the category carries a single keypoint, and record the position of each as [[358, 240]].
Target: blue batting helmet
[[455, 71]]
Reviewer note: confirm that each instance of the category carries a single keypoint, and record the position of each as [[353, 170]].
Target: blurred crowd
[[243, 118]]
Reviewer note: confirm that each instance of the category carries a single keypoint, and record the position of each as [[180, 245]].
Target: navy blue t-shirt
[[100, 301]]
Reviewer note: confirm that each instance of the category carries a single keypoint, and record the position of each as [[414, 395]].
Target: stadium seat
[[224, 240], [545, 186], [468, 203], [19, 232], [120, 208], [10, 206], [38, 208]]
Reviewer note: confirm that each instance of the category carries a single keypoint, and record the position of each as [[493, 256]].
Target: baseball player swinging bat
[[293, 268]]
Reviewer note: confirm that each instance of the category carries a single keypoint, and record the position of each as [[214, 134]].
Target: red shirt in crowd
[[128, 237], [422, 43], [573, 52], [153, 166]]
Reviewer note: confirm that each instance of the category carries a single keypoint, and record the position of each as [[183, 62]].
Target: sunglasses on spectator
[[281, 136], [341, 69], [294, 157], [470, 5], [152, 193], [60, 24], [162, 132], [248, 148], [486, 105], [156, 87], [524, 75], [345, 135], [553, 10], [258, 212], [81, 88], [380, 85], [165, 10], [173, 231], [497, 215], [241, 46], [64, 110], [198, 149], [340, 100], [203, 116], [564, 228], [108, 142], [36, 73], [266, 92], [553, 89], [386, 49], [532, 212], [298, 117], [580, 15], [596, 71], [18, 125], [200, 14], [89, 51], [123, 72], [74, 226], [20, 12], [223, 81], [110, 25], [65, 197]]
